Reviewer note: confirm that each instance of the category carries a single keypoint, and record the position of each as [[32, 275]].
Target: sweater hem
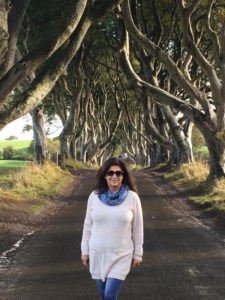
[[97, 277]]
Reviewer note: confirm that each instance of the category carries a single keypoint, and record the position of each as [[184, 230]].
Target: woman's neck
[[113, 190]]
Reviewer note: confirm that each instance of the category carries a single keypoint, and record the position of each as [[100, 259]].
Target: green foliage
[[27, 128], [11, 138], [53, 146], [200, 150], [197, 139], [8, 152], [48, 16], [201, 153]]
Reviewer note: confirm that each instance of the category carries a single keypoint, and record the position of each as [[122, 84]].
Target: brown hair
[[101, 185]]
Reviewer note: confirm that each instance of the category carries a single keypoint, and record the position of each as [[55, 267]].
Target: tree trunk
[[184, 149], [216, 154], [40, 144], [64, 146], [68, 132], [4, 35], [73, 149], [15, 20]]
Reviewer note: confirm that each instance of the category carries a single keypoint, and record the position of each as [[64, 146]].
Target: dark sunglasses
[[111, 173]]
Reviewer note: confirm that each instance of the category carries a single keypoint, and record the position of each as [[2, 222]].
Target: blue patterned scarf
[[114, 198]]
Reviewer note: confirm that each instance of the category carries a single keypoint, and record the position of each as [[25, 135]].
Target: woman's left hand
[[136, 262]]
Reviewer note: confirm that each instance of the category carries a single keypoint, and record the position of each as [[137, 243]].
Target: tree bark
[[40, 144], [202, 121], [216, 152], [41, 53], [15, 19], [184, 151], [100, 148], [19, 105], [68, 132], [4, 34]]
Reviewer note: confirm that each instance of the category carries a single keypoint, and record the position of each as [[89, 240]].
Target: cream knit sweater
[[112, 236]]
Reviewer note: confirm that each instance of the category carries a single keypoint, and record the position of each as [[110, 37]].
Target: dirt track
[[183, 259]]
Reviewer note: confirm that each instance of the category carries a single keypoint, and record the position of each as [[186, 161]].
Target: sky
[[16, 128]]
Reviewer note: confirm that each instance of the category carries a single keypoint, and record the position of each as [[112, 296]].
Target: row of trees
[[134, 73]]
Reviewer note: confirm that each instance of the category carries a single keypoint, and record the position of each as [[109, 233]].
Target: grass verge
[[33, 186], [11, 164], [134, 167], [194, 176], [72, 164]]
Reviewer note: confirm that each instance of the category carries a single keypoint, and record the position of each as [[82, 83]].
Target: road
[[183, 260]]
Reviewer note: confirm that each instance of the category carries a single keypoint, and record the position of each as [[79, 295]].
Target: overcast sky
[[16, 128]]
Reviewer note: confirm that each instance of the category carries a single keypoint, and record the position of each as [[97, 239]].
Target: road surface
[[183, 260]]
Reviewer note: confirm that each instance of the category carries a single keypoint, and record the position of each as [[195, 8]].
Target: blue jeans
[[109, 289]]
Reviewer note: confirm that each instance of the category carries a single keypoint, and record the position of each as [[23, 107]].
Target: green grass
[[201, 153], [7, 166], [34, 185], [17, 145], [72, 164], [21, 149], [188, 175], [134, 167], [12, 164], [194, 176]]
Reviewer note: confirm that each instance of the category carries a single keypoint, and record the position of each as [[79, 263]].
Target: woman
[[112, 237]]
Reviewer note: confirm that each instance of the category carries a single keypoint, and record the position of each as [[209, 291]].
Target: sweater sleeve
[[137, 232], [87, 228]]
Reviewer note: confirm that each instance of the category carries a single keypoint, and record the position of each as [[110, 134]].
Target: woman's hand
[[85, 260], [136, 262]]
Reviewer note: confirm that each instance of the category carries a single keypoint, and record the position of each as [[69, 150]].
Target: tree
[[27, 128], [8, 152], [49, 57], [12, 138], [40, 143], [197, 105]]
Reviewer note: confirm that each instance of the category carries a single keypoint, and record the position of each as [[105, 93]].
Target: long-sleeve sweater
[[112, 236]]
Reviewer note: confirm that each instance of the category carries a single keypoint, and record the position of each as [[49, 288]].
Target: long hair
[[101, 185]]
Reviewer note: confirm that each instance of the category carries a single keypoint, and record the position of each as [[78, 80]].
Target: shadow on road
[[182, 259]]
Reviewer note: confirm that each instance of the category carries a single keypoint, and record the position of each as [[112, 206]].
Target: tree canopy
[[133, 73]]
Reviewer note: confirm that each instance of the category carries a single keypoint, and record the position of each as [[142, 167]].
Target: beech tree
[[40, 143], [50, 56], [204, 101]]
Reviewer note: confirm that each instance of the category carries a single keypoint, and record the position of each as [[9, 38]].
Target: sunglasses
[[111, 173]]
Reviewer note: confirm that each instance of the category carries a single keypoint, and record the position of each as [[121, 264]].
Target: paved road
[[182, 259]]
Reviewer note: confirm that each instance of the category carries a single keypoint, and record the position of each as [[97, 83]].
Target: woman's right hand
[[85, 260]]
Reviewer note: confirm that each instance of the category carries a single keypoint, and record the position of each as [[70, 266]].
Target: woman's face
[[114, 180]]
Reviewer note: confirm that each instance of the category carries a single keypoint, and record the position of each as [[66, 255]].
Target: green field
[[21, 148], [12, 164], [17, 145], [201, 153]]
